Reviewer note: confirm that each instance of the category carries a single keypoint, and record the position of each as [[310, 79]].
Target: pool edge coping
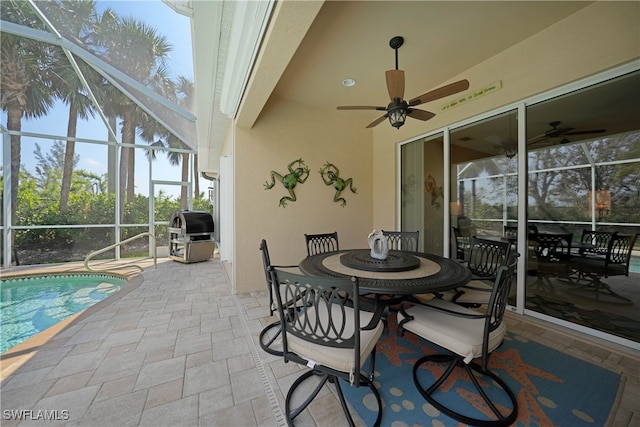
[[12, 359]]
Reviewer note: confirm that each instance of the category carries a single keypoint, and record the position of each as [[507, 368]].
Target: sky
[[176, 28]]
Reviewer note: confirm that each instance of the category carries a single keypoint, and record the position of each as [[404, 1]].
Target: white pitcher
[[378, 244]]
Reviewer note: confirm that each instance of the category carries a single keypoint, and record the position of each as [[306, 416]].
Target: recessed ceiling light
[[349, 82]]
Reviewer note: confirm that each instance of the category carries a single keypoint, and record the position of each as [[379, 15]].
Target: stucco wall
[[283, 133]]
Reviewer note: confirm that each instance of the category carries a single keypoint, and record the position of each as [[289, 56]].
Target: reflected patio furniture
[[615, 263], [331, 336], [593, 244], [269, 336], [510, 231], [467, 335], [552, 252], [485, 257], [321, 243], [462, 243], [402, 240]]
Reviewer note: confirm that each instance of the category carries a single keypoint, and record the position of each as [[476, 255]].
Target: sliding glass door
[[582, 179]]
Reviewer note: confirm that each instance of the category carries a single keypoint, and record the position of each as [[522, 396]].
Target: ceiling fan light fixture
[[397, 112]]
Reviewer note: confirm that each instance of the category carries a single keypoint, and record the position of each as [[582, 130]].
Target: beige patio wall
[[599, 37], [284, 133]]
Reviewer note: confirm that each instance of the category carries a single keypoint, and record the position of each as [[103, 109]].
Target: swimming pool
[[30, 305]]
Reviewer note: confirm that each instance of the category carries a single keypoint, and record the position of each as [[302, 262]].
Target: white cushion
[[475, 292], [460, 335], [340, 359]]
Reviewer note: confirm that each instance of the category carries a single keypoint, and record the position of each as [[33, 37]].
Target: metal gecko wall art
[[297, 175], [331, 176]]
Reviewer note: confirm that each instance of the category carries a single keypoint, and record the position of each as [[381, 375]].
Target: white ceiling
[[442, 40]]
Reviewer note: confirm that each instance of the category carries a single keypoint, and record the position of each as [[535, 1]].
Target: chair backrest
[[599, 241], [485, 256], [619, 251], [321, 243], [510, 231], [461, 243], [330, 305], [553, 247], [266, 262], [402, 240], [498, 302]]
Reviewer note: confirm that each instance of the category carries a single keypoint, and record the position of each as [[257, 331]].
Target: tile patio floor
[[178, 349]]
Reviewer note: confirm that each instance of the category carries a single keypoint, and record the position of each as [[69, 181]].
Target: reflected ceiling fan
[[556, 132], [399, 109]]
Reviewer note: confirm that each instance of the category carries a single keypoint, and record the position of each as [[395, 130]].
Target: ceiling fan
[[556, 132], [398, 109]]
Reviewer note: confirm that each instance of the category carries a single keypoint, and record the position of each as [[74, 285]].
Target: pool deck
[[176, 347]]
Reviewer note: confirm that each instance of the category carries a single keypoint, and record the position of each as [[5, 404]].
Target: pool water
[[29, 305]]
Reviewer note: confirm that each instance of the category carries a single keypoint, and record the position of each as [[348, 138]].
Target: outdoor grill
[[191, 236]]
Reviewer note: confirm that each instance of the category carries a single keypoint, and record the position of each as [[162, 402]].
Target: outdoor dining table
[[401, 273]]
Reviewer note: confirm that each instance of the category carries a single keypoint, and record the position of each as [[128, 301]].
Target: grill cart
[[191, 236]]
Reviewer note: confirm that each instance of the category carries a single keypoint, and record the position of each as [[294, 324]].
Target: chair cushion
[[340, 359], [475, 292], [462, 336]]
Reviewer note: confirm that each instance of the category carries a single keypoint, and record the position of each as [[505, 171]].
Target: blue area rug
[[553, 389]]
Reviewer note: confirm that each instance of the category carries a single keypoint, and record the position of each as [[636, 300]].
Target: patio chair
[[552, 253], [328, 336], [615, 263], [270, 333], [462, 243], [467, 335], [321, 243], [485, 257], [402, 240], [510, 231], [595, 243]]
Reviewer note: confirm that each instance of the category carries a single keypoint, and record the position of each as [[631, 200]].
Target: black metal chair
[[402, 240], [326, 336], [595, 243], [615, 263], [321, 243], [510, 231], [485, 257], [269, 335], [468, 335], [552, 253], [461, 243]]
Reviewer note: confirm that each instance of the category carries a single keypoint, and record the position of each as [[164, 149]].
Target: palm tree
[[25, 89], [158, 136], [76, 19], [138, 50]]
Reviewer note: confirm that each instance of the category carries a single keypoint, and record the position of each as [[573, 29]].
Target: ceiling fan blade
[[586, 132], [554, 133], [441, 92], [395, 84], [361, 107], [377, 121], [420, 114]]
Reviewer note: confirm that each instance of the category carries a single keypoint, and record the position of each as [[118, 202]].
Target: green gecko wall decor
[[297, 175], [331, 176]]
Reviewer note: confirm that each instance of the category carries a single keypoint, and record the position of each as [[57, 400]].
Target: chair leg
[[292, 414], [363, 382], [267, 341], [496, 418]]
